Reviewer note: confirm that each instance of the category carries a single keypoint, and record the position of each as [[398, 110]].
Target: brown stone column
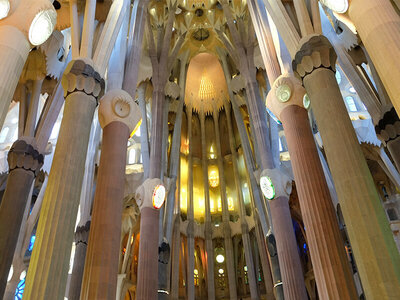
[[371, 239], [118, 115], [331, 267], [48, 269], [291, 270], [378, 25], [24, 162], [81, 241], [147, 273]]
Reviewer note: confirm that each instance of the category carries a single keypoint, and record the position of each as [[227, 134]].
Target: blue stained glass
[[31, 243], [19, 290]]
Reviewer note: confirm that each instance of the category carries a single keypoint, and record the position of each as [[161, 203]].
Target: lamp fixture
[[158, 196], [4, 8], [267, 187], [42, 26]]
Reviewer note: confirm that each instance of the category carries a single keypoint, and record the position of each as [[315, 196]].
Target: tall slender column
[[378, 25], [208, 225], [260, 214], [24, 163], [225, 213], [374, 249], [81, 242], [118, 116], [82, 85], [147, 276], [245, 229], [14, 50], [190, 211], [144, 133], [331, 267]]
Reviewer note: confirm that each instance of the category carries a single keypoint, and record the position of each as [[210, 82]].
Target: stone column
[[48, 268], [229, 258], [370, 236], [245, 229], [147, 277], [190, 211], [286, 246], [207, 225], [378, 25], [24, 163], [118, 116], [331, 267], [81, 242], [14, 50]]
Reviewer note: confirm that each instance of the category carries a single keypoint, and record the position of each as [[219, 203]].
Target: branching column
[[371, 239], [54, 236], [24, 162], [331, 267], [118, 116], [208, 225], [230, 265]]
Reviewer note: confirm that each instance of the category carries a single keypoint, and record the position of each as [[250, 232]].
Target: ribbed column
[[190, 211], [147, 271], [370, 236], [208, 225], [331, 267], [48, 268], [81, 242], [24, 162], [289, 263], [118, 116], [245, 229], [286, 246], [14, 50], [230, 262], [378, 25]]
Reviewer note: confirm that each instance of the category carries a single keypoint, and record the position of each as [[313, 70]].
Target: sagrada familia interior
[[199, 149]]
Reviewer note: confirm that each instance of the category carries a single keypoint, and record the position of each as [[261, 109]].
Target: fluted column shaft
[[190, 211], [81, 242], [378, 25], [24, 162], [14, 50], [48, 268], [101, 267], [208, 225], [374, 249], [230, 264], [289, 260], [245, 229], [331, 267]]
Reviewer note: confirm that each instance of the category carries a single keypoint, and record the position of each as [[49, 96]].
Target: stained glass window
[[20, 289]]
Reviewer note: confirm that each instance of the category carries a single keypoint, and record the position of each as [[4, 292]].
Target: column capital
[[82, 233], [144, 193], [388, 127], [81, 76], [314, 52], [118, 106], [274, 184], [287, 90], [24, 155]]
